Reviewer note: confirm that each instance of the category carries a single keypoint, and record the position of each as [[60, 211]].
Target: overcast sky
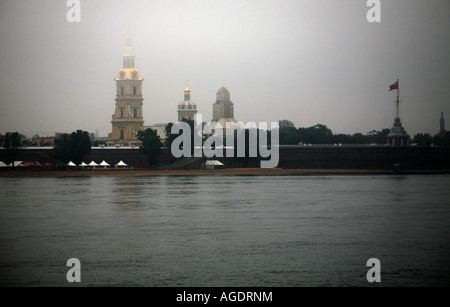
[[308, 61]]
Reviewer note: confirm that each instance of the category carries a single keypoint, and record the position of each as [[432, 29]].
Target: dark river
[[225, 230]]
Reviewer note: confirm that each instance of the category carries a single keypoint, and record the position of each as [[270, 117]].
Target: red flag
[[393, 86]]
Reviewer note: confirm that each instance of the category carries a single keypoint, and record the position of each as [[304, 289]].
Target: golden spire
[[187, 90], [187, 93]]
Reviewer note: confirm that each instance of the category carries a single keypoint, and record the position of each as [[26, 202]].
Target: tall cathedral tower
[[128, 117]]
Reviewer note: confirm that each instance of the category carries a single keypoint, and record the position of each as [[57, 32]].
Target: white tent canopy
[[93, 163], [214, 162], [2, 164], [121, 164], [104, 164], [16, 163], [83, 164], [71, 163]]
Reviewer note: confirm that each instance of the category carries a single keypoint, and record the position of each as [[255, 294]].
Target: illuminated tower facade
[[127, 119]]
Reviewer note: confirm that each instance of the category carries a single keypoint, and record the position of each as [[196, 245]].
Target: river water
[[226, 230]]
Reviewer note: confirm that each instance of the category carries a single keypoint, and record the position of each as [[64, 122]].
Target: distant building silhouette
[[223, 108], [442, 123]]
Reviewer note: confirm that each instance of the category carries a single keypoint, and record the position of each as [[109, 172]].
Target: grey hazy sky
[[308, 61]]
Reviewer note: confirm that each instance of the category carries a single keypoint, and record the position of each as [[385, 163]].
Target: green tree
[[359, 138], [61, 148], [288, 133], [422, 139], [286, 124], [442, 139], [72, 147], [380, 136], [318, 134], [80, 145], [242, 161], [169, 136], [191, 124], [151, 145], [12, 143]]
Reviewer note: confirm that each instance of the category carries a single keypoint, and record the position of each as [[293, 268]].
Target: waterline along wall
[[306, 157], [365, 157]]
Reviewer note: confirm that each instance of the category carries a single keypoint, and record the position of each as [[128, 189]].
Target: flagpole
[[398, 96]]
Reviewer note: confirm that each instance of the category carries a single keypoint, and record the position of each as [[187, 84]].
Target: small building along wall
[[398, 136]]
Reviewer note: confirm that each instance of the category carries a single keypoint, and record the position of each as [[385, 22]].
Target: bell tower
[[187, 108], [127, 119]]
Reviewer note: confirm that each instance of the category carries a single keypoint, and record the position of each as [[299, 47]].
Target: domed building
[[223, 108], [187, 108], [398, 135]]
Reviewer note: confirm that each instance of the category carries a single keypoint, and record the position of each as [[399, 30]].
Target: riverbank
[[203, 172]]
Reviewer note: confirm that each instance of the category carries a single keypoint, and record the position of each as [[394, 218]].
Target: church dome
[[223, 94], [187, 105]]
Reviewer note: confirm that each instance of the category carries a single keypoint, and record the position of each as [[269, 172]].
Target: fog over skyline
[[307, 61]]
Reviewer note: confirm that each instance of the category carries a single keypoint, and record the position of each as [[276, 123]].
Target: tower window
[[121, 113], [121, 90], [134, 90], [121, 134], [134, 113]]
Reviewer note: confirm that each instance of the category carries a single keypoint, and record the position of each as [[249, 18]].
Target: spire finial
[[128, 55], [187, 93]]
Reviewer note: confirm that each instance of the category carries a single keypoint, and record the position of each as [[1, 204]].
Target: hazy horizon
[[310, 62]]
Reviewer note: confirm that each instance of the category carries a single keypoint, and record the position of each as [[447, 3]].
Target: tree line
[[321, 134], [76, 145]]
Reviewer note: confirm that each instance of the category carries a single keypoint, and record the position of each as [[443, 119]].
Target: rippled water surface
[[225, 230]]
